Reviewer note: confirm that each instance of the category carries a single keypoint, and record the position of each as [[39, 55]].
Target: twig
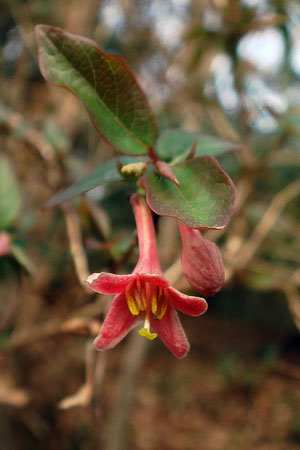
[[83, 323], [25, 130], [244, 254], [16, 122], [76, 246], [84, 394]]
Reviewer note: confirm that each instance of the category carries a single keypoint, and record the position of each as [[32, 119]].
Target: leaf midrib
[[129, 132]]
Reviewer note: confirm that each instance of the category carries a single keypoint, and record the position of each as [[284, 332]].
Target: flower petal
[[109, 283], [118, 322], [171, 333], [193, 306]]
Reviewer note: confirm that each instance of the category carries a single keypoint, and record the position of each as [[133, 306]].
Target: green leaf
[[22, 258], [175, 145], [205, 199], [10, 199], [104, 83], [210, 145], [104, 174]]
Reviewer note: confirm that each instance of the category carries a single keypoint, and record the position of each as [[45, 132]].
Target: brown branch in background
[[240, 257], [22, 17], [84, 394], [10, 394], [79, 321], [222, 124], [25, 130], [99, 373], [76, 245], [16, 122]]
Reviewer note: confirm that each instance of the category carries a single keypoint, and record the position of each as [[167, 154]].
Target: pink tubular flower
[[201, 262], [145, 295]]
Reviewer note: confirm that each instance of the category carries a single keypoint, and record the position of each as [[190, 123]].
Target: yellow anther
[[154, 300], [163, 307], [133, 308], [147, 334]]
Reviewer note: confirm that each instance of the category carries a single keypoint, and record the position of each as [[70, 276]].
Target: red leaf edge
[[50, 27]]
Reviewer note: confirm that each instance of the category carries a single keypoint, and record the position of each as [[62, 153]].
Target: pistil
[[145, 332]]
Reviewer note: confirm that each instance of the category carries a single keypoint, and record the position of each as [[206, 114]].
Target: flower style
[[201, 262], [145, 295]]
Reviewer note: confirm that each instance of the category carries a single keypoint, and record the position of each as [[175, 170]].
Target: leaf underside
[[104, 83], [205, 198]]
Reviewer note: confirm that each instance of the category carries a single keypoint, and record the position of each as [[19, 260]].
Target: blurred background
[[225, 68]]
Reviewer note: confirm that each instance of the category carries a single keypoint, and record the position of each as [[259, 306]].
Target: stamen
[[138, 299], [139, 295], [154, 300], [144, 295], [133, 307], [163, 307]]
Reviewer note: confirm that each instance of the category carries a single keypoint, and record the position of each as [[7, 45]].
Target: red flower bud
[[201, 262]]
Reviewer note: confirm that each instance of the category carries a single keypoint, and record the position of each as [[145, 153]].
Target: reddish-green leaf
[[105, 84], [205, 198]]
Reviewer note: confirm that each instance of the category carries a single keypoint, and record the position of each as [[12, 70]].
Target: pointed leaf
[[175, 145], [104, 83], [205, 199], [10, 199], [22, 258], [106, 173], [213, 146]]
